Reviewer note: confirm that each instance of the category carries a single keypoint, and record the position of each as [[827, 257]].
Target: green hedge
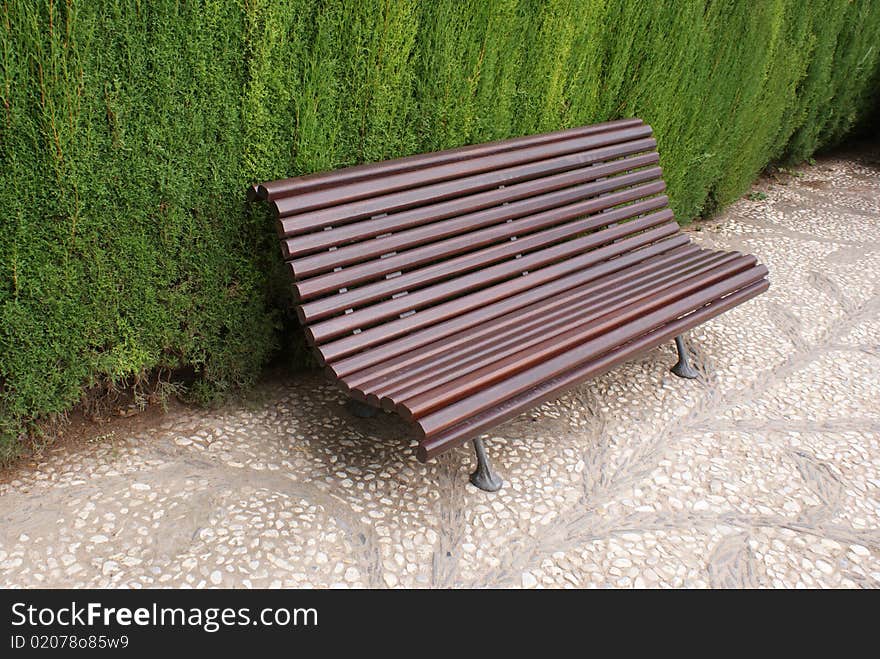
[[129, 131]]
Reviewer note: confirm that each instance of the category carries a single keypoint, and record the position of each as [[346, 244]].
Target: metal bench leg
[[683, 368], [484, 478], [361, 410]]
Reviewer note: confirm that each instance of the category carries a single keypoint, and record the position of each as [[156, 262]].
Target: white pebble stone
[[529, 580]]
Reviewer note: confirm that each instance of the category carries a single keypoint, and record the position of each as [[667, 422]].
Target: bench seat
[[459, 288]]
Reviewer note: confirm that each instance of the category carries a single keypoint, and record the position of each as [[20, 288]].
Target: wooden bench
[[462, 287]]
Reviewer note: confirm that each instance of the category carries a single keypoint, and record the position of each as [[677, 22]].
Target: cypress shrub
[[130, 130]]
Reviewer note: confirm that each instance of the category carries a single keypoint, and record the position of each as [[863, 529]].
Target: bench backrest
[[381, 250]]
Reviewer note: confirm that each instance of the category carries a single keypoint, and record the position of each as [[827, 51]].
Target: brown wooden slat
[[358, 190], [286, 187], [626, 252], [556, 366], [525, 243], [529, 195], [550, 388], [333, 216]]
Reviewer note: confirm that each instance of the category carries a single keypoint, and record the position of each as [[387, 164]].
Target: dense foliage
[[130, 129]]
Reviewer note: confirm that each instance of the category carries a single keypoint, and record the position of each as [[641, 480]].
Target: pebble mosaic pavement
[[764, 472]]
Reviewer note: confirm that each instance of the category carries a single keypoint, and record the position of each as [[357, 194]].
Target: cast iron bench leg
[[360, 409], [484, 478], [683, 368]]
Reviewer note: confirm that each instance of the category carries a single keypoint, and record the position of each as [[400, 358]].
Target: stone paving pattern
[[765, 471]]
